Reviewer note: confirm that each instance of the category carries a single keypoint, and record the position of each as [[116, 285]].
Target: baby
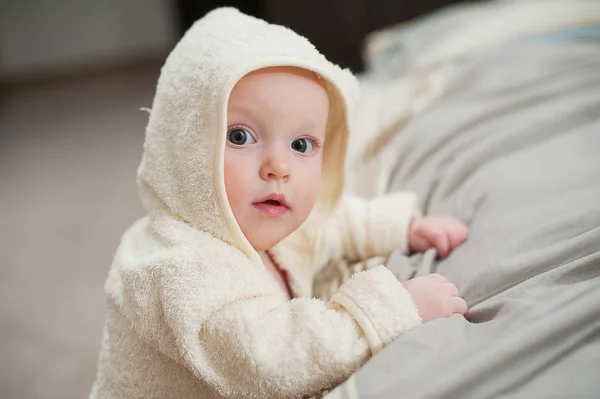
[[209, 295]]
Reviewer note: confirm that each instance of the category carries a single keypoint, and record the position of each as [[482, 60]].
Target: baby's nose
[[275, 168]]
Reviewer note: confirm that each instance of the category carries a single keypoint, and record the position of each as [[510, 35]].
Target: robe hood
[[182, 168]]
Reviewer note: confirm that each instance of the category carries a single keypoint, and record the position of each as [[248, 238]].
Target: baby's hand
[[435, 297], [441, 233]]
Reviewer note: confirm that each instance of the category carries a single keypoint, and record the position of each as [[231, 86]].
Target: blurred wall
[[336, 27], [41, 35]]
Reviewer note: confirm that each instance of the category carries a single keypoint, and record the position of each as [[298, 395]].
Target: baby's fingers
[[457, 232], [419, 243], [458, 305], [451, 289], [440, 241]]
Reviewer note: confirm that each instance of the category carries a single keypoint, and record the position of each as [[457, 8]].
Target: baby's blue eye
[[302, 145], [240, 137]]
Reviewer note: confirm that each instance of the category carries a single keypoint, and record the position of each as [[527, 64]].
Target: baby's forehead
[[279, 97], [280, 84], [276, 80]]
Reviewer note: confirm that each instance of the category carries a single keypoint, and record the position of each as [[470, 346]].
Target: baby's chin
[[264, 242]]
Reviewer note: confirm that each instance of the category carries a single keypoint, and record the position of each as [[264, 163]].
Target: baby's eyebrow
[[240, 108], [243, 113], [308, 128], [240, 111]]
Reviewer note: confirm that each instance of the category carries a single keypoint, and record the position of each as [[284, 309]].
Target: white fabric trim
[[361, 318]]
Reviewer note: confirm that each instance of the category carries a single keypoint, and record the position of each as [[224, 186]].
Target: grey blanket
[[513, 149]]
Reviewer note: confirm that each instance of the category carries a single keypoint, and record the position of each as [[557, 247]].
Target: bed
[[506, 137]]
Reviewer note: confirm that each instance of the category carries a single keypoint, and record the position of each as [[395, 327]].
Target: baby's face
[[276, 121]]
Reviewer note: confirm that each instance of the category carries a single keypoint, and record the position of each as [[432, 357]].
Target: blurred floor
[[68, 158]]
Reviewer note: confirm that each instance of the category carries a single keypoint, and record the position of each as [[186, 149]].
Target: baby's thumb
[[419, 243], [442, 244]]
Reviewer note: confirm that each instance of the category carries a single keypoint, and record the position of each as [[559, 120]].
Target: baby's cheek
[[308, 197], [306, 185], [229, 171], [234, 185]]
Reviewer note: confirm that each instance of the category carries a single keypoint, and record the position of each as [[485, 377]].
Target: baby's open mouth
[[272, 202], [274, 205]]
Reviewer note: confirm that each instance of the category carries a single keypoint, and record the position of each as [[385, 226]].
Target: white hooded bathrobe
[[191, 311]]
